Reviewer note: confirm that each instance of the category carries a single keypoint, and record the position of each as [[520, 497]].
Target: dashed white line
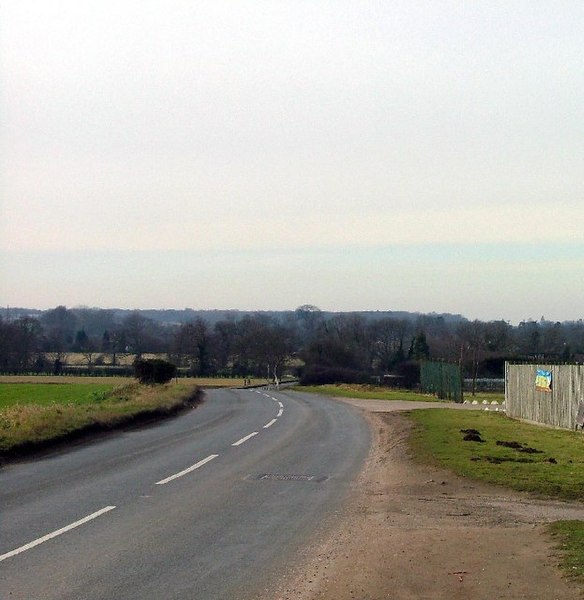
[[56, 533], [244, 439], [188, 470], [106, 509]]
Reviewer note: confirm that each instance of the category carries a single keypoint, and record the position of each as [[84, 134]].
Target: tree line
[[314, 344]]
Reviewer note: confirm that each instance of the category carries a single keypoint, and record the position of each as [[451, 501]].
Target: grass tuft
[[569, 538]]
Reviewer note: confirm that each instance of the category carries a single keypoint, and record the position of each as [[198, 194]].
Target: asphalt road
[[213, 504]]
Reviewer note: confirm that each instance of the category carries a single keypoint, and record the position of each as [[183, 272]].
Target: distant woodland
[[315, 345]]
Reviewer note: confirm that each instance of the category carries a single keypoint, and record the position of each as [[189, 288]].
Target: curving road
[[209, 505]]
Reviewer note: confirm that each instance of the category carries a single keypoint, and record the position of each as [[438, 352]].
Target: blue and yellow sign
[[543, 380]]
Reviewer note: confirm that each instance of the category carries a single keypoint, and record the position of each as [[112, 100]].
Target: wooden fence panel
[[557, 407]]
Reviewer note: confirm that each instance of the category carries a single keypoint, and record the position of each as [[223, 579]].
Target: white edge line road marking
[[188, 470], [244, 439], [270, 423], [280, 412], [280, 405], [56, 533]]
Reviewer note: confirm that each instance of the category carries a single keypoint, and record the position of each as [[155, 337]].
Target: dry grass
[[78, 359], [30, 425], [207, 382]]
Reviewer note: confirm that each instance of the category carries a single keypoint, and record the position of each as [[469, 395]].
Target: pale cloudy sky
[[397, 155]]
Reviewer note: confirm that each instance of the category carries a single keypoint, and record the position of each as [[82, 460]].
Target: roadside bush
[[321, 375], [153, 370], [410, 373]]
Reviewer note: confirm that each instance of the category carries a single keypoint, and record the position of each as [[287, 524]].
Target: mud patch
[[518, 446], [497, 460], [472, 435]]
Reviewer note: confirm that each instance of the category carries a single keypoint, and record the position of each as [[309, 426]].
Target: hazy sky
[[396, 155]]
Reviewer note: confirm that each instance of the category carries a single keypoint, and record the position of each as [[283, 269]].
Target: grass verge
[[569, 538], [548, 462], [30, 426], [365, 392], [372, 392]]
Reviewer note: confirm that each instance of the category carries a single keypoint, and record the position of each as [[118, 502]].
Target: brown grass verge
[[28, 429], [206, 382]]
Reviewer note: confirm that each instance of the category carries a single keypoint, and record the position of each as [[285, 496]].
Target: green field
[[48, 393]]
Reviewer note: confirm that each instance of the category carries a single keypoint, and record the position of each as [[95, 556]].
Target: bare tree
[[134, 329], [192, 347], [472, 344]]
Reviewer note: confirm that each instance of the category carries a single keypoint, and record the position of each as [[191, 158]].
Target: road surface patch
[[290, 477]]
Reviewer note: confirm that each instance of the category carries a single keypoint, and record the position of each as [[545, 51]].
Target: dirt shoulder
[[417, 532]]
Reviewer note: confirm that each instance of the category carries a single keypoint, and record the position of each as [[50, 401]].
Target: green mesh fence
[[441, 379]]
